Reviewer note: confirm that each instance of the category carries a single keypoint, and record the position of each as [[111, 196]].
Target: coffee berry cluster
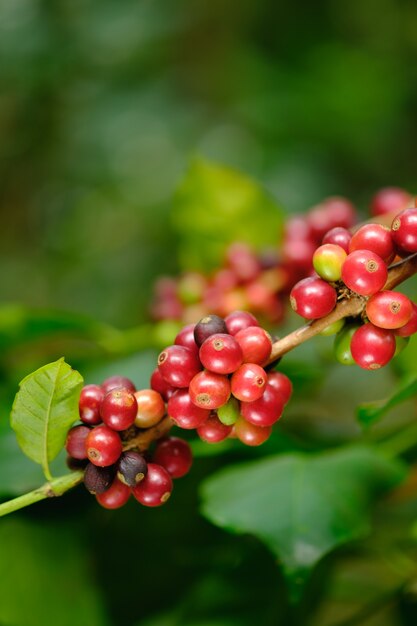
[[212, 380], [261, 282], [357, 264], [112, 416], [215, 381]]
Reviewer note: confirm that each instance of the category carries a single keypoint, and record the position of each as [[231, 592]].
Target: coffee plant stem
[[51, 489]]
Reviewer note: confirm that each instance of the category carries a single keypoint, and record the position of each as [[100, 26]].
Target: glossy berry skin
[[282, 384], [209, 390], [131, 468], [98, 479], [118, 409], [249, 434], [104, 446], [372, 347], [229, 412], [207, 326], [341, 346], [255, 343], [221, 353], [338, 236], [160, 385], [390, 200], [150, 408], [174, 454], [313, 298], [364, 272], [328, 260], [115, 497], [186, 338], [411, 327], [238, 320], [404, 230], [155, 488], [184, 412], [117, 382], [213, 430], [389, 309], [376, 238], [75, 444], [89, 404], [178, 365], [266, 410], [248, 382]]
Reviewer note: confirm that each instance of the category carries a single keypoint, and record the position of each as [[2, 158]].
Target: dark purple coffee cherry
[[131, 468], [207, 326], [98, 479]]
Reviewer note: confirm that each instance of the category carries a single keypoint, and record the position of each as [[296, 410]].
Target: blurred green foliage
[[103, 106]]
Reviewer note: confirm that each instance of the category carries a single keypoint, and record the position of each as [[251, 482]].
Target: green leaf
[[45, 406], [216, 205], [369, 412], [45, 576], [301, 506]]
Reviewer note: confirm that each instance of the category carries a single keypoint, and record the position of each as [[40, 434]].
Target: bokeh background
[[102, 106]]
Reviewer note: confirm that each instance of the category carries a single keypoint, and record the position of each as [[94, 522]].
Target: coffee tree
[[224, 379]]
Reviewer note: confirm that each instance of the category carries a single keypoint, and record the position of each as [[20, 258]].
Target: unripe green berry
[[229, 412], [328, 260], [334, 328], [342, 344]]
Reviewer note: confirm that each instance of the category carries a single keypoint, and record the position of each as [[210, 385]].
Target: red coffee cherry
[[404, 230], [372, 347], [174, 454], [186, 338], [89, 404], [298, 255], [238, 320], [155, 488], [160, 385], [266, 410], [328, 260], [243, 262], [184, 412], [364, 272], [221, 353], [334, 211], [103, 446], [118, 409], [178, 365], [209, 390], [376, 238], [248, 382], [150, 408], [75, 444], [255, 343], [249, 434], [207, 326], [213, 430], [389, 309], [117, 382], [282, 384], [313, 298], [115, 497], [411, 327], [338, 236], [390, 200]]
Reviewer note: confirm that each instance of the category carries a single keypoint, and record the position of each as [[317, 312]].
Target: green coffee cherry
[[229, 412], [342, 344], [334, 328], [328, 260]]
